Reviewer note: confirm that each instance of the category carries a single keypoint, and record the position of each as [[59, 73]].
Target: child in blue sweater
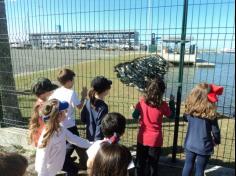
[[95, 108], [203, 130]]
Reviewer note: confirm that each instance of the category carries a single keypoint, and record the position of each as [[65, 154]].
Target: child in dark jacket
[[96, 108], [203, 129]]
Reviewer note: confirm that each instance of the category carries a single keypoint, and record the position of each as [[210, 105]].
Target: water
[[222, 74]]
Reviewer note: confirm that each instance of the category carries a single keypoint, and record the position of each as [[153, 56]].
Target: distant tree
[[9, 108]]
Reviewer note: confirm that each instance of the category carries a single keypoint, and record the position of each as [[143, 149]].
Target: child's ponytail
[[34, 125], [50, 114], [92, 97]]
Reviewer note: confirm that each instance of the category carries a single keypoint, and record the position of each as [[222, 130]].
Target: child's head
[[52, 113], [113, 123], [66, 77], [13, 164], [154, 92], [111, 159], [100, 87], [199, 102], [100, 84], [42, 88]]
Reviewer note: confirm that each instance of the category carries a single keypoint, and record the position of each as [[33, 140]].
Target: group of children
[[54, 133]]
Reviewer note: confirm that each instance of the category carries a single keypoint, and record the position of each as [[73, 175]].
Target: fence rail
[[38, 37]]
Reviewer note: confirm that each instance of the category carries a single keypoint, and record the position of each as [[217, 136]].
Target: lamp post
[[149, 22]]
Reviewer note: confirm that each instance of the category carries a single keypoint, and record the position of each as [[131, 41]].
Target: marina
[[169, 49]]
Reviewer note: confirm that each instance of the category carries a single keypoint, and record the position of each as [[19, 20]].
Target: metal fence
[[38, 37]]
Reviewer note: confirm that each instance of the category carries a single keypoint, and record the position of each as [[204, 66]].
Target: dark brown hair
[[113, 123], [65, 75], [154, 92], [99, 85], [197, 103], [111, 160], [12, 164]]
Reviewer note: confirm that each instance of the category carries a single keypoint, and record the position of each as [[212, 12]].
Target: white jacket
[[50, 160]]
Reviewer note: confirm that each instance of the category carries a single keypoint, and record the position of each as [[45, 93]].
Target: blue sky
[[210, 22]]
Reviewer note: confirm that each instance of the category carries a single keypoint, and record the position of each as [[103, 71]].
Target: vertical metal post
[[180, 80], [8, 103], [149, 23], [1, 113]]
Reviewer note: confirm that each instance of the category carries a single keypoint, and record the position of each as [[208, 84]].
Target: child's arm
[[84, 114], [41, 163], [75, 102], [136, 114], [166, 109], [101, 114], [91, 152], [76, 140], [185, 117], [216, 132], [90, 163], [83, 93]]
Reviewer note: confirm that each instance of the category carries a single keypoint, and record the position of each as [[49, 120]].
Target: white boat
[[204, 63], [228, 50], [169, 48]]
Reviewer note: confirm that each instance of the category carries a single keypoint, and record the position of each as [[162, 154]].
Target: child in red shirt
[[150, 109]]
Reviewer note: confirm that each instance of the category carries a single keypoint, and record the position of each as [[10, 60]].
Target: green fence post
[[1, 114], [9, 103], [180, 80]]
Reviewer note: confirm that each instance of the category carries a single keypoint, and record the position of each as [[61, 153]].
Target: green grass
[[120, 99]]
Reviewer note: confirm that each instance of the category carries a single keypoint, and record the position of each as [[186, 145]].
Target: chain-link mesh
[[93, 36]]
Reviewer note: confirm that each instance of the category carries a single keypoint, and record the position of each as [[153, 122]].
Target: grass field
[[120, 99]]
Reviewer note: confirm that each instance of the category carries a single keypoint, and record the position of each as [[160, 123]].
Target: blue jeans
[[200, 162]]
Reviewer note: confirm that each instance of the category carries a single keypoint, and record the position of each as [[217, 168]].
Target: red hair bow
[[114, 139], [214, 90]]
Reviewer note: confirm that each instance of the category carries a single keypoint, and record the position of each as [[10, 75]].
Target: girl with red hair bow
[[203, 130]]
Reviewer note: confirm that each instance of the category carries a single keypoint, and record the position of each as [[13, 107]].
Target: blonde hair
[[51, 110], [197, 103], [34, 124]]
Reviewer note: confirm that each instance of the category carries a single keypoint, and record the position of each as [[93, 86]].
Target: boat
[[203, 63], [228, 50], [169, 48]]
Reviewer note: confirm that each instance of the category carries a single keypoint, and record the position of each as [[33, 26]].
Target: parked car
[[17, 45]]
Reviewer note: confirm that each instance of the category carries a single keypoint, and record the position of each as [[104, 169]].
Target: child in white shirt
[[113, 127], [66, 93], [51, 149]]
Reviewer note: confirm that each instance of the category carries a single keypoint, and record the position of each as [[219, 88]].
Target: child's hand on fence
[[132, 108], [84, 92]]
